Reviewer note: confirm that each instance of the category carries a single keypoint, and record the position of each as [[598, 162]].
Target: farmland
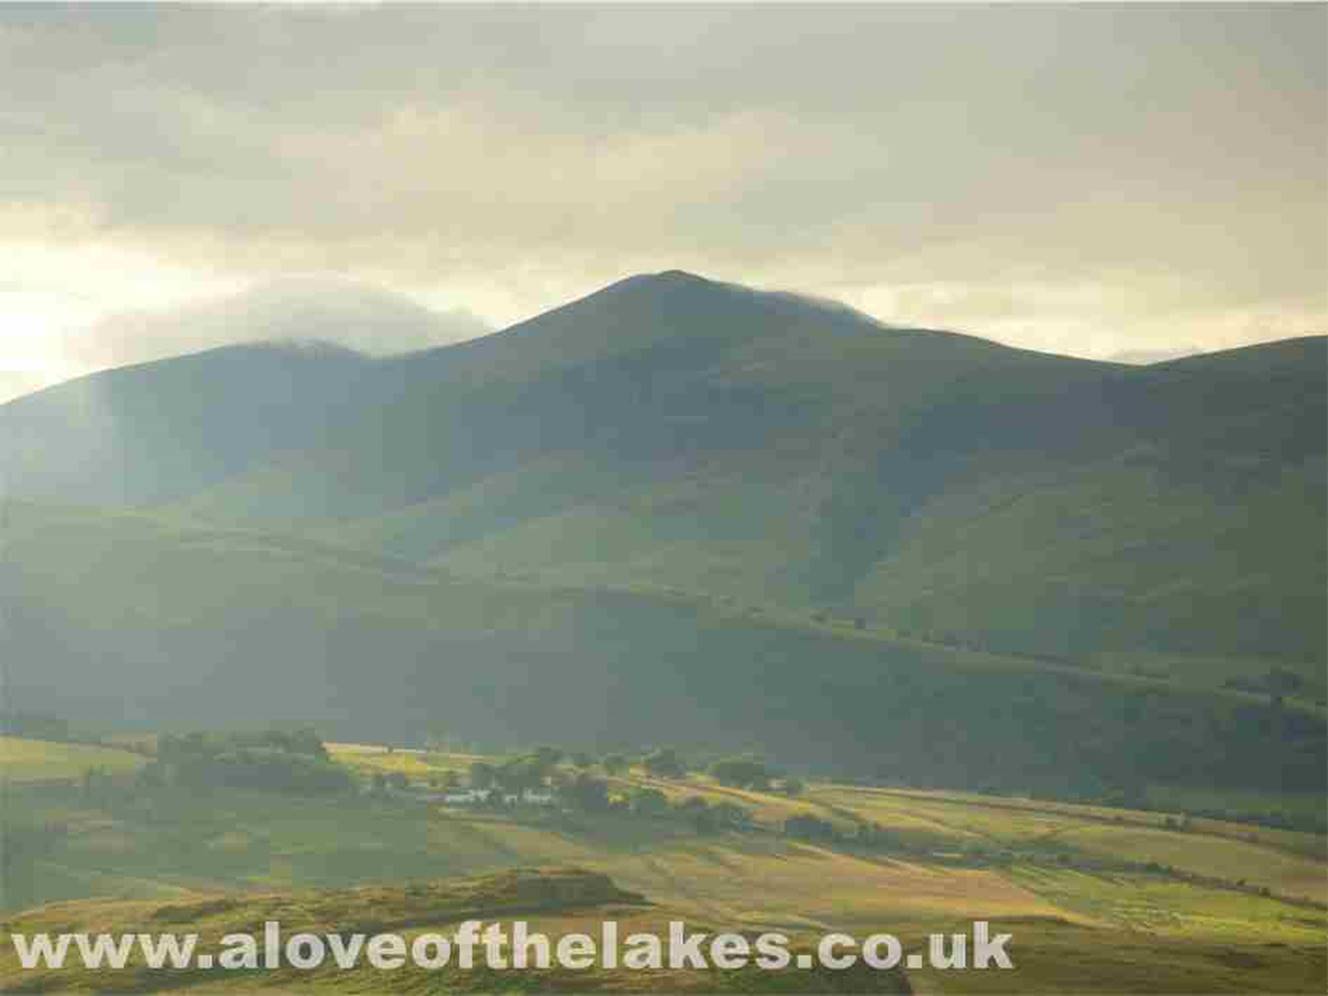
[[1199, 900], [24, 760]]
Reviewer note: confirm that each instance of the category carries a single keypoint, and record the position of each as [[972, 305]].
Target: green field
[[23, 760], [1093, 895]]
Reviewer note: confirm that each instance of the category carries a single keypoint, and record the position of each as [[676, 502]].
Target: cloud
[[359, 317], [311, 308], [16, 383], [1119, 171]]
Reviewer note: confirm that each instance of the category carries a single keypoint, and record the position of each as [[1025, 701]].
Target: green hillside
[[188, 622], [684, 510], [670, 433], [25, 760]]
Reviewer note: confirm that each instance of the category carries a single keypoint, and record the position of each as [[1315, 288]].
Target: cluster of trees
[[753, 773], [742, 772], [746, 771], [384, 780], [581, 790], [525, 772], [863, 834], [272, 760], [589, 794], [805, 826], [708, 817], [540, 768], [664, 763]]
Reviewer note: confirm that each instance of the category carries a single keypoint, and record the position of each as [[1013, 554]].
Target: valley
[[1125, 888]]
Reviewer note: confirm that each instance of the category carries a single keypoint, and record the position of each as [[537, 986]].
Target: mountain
[[162, 429], [682, 509], [355, 316], [166, 429], [670, 433]]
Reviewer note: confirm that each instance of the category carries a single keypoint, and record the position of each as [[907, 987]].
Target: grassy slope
[[192, 618], [551, 901], [1106, 926], [671, 432], [24, 760], [1104, 563], [938, 485]]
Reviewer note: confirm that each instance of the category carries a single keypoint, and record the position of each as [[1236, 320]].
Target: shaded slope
[[162, 623], [164, 430], [674, 435]]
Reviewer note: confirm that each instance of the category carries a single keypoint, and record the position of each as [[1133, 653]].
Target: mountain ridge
[[680, 481], [637, 418]]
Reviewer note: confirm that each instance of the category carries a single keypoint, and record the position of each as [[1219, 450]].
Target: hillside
[[685, 510], [674, 434], [164, 430], [553, 902], [1151, 902], [190, 623]]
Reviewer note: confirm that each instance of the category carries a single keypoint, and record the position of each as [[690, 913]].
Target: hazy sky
[[1098, 180]]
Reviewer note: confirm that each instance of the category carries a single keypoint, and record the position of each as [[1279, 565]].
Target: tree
[[664, 763], [730, 815], [299, 741], [522, 773], [808, 827], [547, 757], [587, 793], [741, 772], [482, 775], [614, 764], [791, 786], [93, 781], [152, 775], [697, 811], [648, 802]]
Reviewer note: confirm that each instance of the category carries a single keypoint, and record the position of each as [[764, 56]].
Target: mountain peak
[[666, 279], [680, 275]]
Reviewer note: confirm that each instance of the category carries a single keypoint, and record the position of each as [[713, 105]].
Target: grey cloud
[[358, 317], [1177, 152]]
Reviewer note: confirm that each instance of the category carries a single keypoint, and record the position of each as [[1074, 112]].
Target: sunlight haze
[[1104, 181]]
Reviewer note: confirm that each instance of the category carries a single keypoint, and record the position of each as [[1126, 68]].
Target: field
[[23, 760], [1114, 900]]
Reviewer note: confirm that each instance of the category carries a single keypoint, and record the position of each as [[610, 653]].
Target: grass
[[1099, 922], [1099, 934], [367, 759], [24, 760], [1163, 906], [1289, 864], [490, 661], [555, 902]]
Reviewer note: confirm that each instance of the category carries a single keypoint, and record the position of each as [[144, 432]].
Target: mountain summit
[[673, 432], [682, 509]]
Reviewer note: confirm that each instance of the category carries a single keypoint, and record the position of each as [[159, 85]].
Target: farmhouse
[[467, 797]]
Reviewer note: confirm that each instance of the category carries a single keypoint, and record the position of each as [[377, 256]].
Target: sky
[[1109, 181]]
